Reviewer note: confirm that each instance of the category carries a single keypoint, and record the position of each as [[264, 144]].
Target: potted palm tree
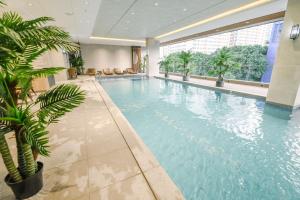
[[22, 42], [165, 65], [185, 58], [76, 62], [222, 62]]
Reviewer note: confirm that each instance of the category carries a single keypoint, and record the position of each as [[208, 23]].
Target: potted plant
[[165, 65], [77, 62], [22, 42], [221, 62], [30, 130], [185, 58], [144, 64]]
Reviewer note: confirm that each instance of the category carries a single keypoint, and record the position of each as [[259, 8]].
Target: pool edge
[[225, 90]]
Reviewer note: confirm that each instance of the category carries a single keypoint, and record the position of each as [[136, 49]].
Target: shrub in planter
[[143, 64], [29, 128], [76, 62], [222, 61], [21, 43], [165, 64], [185, 65]]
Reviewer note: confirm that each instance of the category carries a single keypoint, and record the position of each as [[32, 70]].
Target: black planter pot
[[185, 78], [166, 75], [28, 187], [220, 82]]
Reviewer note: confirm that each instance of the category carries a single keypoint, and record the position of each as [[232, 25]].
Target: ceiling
[[136, 20]]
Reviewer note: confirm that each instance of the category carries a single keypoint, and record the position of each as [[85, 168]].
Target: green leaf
[[57, 101], [37, 73], [36, 135]]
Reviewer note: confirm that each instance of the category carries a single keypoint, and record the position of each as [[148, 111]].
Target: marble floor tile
[[134, 188], [110, 168], [68, 181]]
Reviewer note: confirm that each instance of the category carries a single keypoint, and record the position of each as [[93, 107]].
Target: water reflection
[[218, 95], [185, 88], [278, 112]]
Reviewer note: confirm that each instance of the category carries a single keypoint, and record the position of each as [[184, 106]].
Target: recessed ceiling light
[[29, 4], [155, 4], [69, 13], [133, 13], [184, 10], [116, 39], [218, 16]]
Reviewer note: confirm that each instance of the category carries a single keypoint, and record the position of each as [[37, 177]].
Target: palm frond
[[7, 51], [10, 34], [37, 73], [37, 21], [11, 20], [56, 102], [36, 136], [31, 130], [51, 37], [2, 3], [4, 125]]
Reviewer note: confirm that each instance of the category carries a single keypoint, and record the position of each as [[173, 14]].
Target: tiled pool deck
[[247, 90], [96, 154]]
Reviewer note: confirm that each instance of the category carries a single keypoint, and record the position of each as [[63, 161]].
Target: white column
[[58, 59], [152, 46], [285, 82]]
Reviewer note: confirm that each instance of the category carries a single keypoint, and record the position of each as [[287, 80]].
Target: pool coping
[[156, 177], [225, 90]]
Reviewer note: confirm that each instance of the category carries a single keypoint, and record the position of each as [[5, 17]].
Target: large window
[[255, 47]]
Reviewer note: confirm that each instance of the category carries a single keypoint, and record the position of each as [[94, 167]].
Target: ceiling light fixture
[[69, 13], [295, 32], [155, 4], [116, 39], [184, 10], [29, 4], [132, 13], [218, 16]]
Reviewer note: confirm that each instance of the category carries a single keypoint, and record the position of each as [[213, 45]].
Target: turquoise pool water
[[214, 145]]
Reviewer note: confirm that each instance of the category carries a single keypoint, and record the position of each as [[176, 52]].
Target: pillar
[[285, 81], [152, 46]]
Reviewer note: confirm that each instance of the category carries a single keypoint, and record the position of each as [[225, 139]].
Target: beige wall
[[106, 56], [50, 59], [285, 81], [53, 59]]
